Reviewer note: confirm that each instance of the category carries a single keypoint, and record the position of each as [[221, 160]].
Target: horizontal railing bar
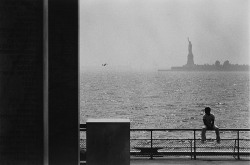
[[189, 139], [83, 128], [164, 139], [189, 129]]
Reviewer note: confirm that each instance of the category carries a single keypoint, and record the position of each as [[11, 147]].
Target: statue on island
[[190, 58], [190, 66]]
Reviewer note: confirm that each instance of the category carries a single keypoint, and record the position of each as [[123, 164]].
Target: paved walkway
[[181, 161]]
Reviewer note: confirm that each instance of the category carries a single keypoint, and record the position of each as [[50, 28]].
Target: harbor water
[[166, 99]]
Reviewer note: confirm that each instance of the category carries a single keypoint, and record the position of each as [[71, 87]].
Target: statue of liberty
[[190, 58]]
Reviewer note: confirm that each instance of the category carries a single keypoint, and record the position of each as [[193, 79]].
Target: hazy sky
[[152, 34]]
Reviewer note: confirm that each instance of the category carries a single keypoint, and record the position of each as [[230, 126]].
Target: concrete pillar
[[63, 82], [21, 82], [108, 142]]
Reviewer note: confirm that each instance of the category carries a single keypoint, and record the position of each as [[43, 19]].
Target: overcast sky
[[152, 34]]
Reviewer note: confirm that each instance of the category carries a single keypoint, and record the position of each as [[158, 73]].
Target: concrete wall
[[21, 82], [37, 82], [63, 80], [108, 142]]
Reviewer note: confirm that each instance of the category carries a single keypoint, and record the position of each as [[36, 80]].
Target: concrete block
[[108, 142]]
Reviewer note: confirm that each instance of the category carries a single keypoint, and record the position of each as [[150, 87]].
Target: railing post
[[194, 146], [191, 146], [238, 139], [151, 138]]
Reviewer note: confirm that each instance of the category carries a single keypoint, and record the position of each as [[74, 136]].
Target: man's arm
[[212, 123]]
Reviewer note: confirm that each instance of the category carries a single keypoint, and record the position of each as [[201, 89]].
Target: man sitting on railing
[[208, 120]]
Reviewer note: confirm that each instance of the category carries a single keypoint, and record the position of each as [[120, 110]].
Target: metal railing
[[157, 143], [192, 146]]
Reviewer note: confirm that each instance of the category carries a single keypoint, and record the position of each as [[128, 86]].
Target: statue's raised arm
[[189, 46]]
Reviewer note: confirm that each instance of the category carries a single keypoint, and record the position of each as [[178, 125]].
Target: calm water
[[166, 99]]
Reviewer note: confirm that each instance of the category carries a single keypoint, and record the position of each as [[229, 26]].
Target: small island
[[217, 66]]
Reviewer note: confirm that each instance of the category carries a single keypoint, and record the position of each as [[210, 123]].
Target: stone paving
[[186, 161]]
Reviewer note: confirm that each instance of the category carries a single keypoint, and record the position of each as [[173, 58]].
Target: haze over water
[[152, 34]]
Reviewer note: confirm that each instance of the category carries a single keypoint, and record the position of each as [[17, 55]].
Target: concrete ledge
[[108, 121]]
